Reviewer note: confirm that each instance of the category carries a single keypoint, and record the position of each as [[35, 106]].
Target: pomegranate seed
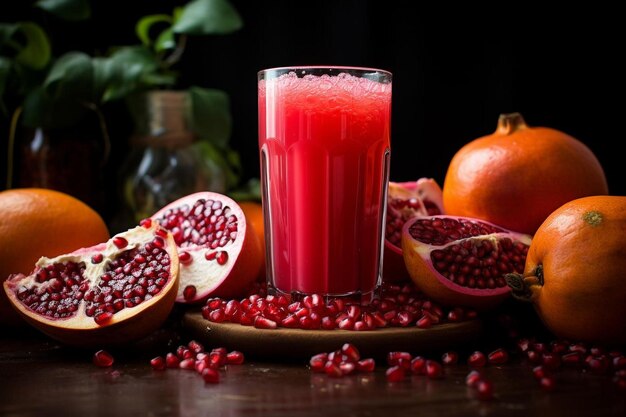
[[120, 242], [477, 359], [533, 357], [97, 258], [189, 293], [147, 223], [598, 364], [328, 323], [472, 378], [434, 370], [188, 364], [217, 316], [366, 365], [261, 322], [103, 318], [171, 360], [332, 369], [185, 258], [551, 360], [394, 358], [222, 257], [158, 363], [351, 352], [418, 365], [195, 346], [450, 358], [523, 345], [498, 357], [539, 372], [317, 362], [234, 358], [395, 374], [210, 376], [484, 390], [103, 359], [619, 362], [547, 383], [424, 322], [572, 358], [347, 368], [346, 324]]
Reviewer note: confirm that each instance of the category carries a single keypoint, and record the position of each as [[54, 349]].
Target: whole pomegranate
[[220, 254], [518, 175], [406, 200], [575, 272], [459, 261], [109, 294]]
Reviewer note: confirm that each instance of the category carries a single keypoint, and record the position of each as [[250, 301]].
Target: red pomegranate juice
[[324, 137]]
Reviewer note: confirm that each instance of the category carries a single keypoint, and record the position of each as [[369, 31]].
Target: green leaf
[[131, 69], [71, 76], [66, 9], [208, 17], [142, 29], [39, 110], [165, 41], [36, 52], [210, 115]]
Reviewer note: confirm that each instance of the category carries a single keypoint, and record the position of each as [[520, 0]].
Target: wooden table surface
[[39, 377]]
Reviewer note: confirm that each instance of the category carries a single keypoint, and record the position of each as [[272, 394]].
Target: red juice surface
[[324, 144]]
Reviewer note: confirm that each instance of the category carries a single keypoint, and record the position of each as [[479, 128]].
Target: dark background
[[455, 69]]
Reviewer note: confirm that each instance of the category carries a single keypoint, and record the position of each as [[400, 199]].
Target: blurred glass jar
[[163, 165]]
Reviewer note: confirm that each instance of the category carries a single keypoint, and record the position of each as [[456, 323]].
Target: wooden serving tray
[[283, 343]]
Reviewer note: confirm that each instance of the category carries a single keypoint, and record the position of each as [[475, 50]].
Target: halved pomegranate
[[406, 200], [460, 260], [219, 254], [112, 293]]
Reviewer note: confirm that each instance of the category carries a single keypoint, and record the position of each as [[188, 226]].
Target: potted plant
[[44, 92]]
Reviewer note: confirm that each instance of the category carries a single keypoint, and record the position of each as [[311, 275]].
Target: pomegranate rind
[[126, 325], [439, 288], [210, 278], [424, 189]]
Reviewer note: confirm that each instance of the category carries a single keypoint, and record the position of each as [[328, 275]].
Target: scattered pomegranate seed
[[351, 352], [418, 365], [234, 358], [477, 359], [210, 376], [318, 361], [185, 258], [188, 364], [103, 359], [540, 372], [261, 322], [158, 363], [547, 383], [472, 378], [332, 369], [498, 357], [434, 370], [450, 358], [395, 374], [366, 365], [171, 360], [484, 390]]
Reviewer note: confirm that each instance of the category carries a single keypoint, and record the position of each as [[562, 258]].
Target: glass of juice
[[324, 140]]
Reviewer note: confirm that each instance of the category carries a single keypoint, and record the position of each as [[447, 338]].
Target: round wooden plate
[[296, 344]]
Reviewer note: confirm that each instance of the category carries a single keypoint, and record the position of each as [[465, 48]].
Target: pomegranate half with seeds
[[220, 255], [462, 261], [109, 294], [406, 200]]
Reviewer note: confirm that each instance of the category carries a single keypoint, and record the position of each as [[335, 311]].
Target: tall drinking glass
[[324, 138]]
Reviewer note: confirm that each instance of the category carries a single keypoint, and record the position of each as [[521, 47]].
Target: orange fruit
[[518, 175], [576, 269], [38, 222], [254, 215]]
